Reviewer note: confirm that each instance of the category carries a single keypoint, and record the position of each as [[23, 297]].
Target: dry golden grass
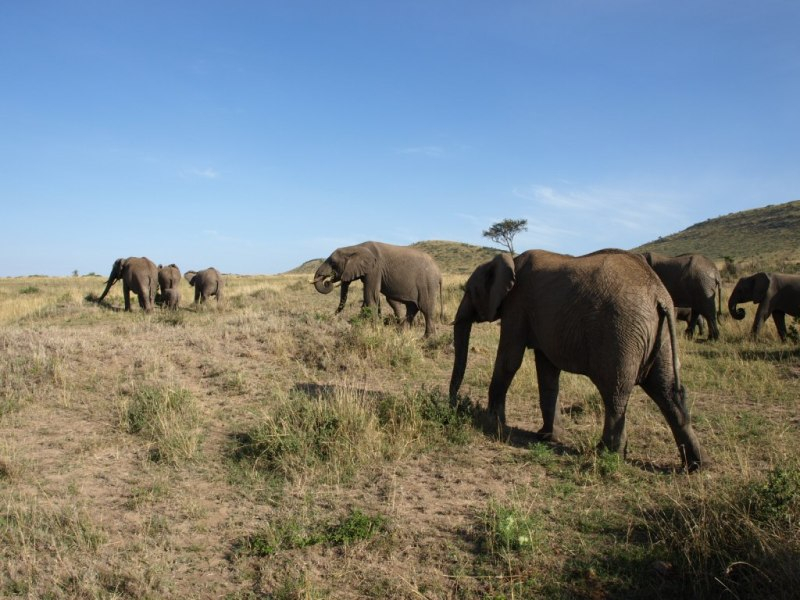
[[267, 448]]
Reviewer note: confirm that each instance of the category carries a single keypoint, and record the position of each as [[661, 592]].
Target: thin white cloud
[[429, 151], [204, 173], [576, 219]]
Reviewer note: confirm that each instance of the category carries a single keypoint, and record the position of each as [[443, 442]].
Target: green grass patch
[[169, 419]]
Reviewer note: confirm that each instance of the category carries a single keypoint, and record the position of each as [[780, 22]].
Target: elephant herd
[[141, 276], [609, 315]]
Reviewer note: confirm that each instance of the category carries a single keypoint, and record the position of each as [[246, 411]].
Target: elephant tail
[[441, 301], [719, 299], [667, 313]]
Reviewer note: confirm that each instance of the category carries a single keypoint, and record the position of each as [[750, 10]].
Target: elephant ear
[[359, 262], [189, 276], [489, 285], [761, 283]]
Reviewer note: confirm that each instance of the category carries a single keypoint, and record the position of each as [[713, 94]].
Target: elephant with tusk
[[407, 277], [138, 275]]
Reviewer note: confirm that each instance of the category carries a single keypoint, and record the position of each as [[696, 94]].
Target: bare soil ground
[[93, 508]]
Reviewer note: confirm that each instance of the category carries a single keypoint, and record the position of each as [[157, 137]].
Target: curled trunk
[[323, 285], [736, 312]]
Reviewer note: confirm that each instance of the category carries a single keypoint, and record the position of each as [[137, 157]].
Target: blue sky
[[252, 136]]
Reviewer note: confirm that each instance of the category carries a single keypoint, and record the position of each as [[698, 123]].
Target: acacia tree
[[504, 232]]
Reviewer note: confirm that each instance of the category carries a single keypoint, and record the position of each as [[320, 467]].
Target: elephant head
[[344, 266], [116, 275], [748, 289], [189, 276], [484, 293]]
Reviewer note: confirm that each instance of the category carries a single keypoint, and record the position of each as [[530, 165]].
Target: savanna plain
[[267, 448]]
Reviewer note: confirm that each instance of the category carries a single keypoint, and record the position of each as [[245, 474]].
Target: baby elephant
[[171, 297], [207, 283], [684, 313]]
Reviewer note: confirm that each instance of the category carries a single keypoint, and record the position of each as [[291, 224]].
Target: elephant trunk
[[111, 281], [323, 285], [736, 312], [462, 328], [324, 278]]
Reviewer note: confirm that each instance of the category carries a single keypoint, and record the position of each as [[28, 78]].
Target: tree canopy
[[504, 231]]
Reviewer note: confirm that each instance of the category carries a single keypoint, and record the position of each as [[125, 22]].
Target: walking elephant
[[777, 294], [169, 281], [138, 275], [206, 283], [406, 276], [605, 315], [693, 281]]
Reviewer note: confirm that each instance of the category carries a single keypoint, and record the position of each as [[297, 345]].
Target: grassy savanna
[[269, 449]]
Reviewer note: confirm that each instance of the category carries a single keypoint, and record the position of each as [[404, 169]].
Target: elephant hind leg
[[660, 386], [615, 401]]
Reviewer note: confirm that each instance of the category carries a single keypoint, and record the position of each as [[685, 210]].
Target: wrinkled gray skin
[[207, 283], [605, 315], [684, 314], [406, 276], [692, 281], [169, 281], [138, 275], [777, 294]]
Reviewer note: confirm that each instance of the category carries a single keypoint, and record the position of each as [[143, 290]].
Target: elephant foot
[[494, 423], [553, 436]]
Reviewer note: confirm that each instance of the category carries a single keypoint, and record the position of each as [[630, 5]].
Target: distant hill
[[765, 238], [768, 236]]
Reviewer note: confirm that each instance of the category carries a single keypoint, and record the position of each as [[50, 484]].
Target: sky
[[255, 135]]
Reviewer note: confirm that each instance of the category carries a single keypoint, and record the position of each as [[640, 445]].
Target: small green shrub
[[507, 531], [777, 498], [30, 289], [290, 534]]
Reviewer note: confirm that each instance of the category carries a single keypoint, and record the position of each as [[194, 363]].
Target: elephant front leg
[[506, 365], [547, 377]]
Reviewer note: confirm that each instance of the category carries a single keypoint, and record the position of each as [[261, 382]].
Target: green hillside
[[767, 237]]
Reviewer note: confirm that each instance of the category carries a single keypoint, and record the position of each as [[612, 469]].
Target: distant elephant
[[169, 281], [138, 275], [692, 281], [777, 294], [683, 313], [406, 276], [207, 283], [605, 315]]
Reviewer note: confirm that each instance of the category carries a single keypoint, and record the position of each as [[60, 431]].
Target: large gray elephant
[[693, 281], [138, 275], [406, 276], [605, 315], [777, 294], [207, 283], [169, 282]]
